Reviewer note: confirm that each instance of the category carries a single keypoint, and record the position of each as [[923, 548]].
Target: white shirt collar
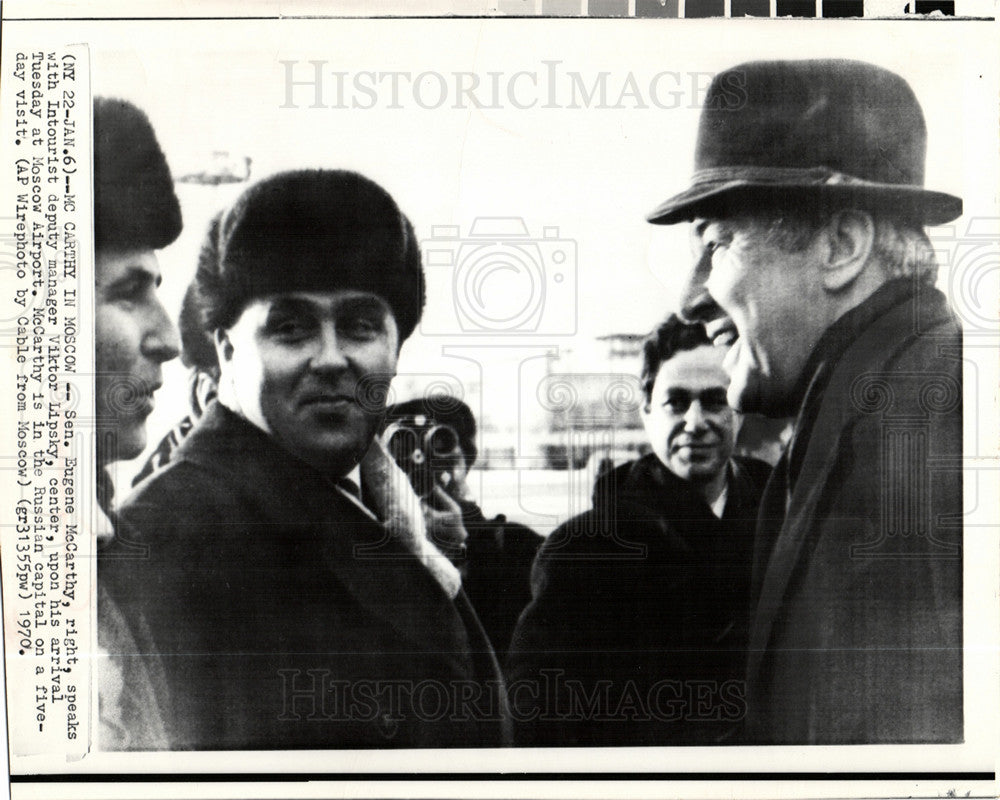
[[719, 505], [355, 476]]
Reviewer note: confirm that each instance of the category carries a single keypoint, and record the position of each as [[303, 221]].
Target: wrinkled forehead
[[692, 371]]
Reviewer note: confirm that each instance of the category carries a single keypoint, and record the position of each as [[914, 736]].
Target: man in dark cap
[[495, 555], [636, 631], [135, 213], [289, 584], [812, 265]]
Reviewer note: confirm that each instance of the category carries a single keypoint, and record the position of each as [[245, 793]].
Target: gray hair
[[901, 247]]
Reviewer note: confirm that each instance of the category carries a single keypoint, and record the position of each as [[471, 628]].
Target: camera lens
[[441, 440], [403, 444]]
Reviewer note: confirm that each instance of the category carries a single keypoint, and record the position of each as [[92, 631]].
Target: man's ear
[[223, 347], [849, 241]]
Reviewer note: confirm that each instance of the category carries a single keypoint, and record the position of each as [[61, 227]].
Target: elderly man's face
[[756, 299], [313, 368], [133, 337], [690, 425]]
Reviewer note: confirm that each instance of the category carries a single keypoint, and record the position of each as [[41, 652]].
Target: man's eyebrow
[[679, 391], [363, 304], [292, 305], [137, 271]]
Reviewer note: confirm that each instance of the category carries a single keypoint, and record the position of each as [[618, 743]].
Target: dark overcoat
[[497, 572], [857, 635], [636, 633], [284, 617]]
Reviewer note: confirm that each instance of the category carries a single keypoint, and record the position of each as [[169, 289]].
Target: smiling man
[[297, 364], [636, 632], [289, 586], [812, 264]]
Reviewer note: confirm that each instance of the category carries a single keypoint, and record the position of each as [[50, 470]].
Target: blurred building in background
[[219, 167], [592, 397]]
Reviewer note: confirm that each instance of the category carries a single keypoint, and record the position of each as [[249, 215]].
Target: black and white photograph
[[603, 404]]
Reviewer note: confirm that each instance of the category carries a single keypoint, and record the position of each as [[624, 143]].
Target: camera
[[423, 448], [501, 279]]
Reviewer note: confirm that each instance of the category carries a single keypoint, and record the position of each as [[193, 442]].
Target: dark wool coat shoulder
[[858, 630], [284, 617], [636, 633]]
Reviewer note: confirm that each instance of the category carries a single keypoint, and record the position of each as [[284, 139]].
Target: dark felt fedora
[[822, 133]]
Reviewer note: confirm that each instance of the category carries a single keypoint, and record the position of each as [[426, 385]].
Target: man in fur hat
[[807, 211], [135, 214], [290, 585]]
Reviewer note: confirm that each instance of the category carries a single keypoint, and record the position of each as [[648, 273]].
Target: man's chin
[[704, 473], [744, 379], [751, 394], [333, 460], [742, 400], [123, 447], [333, 450], [695, 470]]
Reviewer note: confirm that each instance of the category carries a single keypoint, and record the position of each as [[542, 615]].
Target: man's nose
[[696, 304], [160, 341], [694, 417], [329, 353]]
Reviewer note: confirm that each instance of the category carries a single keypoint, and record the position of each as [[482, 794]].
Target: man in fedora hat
[[289, 586], [807, 211]]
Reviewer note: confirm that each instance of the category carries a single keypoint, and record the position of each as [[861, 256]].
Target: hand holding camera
[[431, 456], [445, 526]]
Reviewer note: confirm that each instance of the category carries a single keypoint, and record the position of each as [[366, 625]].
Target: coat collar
[[872, 349], [380, 572], [832, 345], [647, 483]]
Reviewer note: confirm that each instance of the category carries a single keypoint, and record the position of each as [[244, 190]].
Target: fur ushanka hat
[[135, 207], [311, 230]]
